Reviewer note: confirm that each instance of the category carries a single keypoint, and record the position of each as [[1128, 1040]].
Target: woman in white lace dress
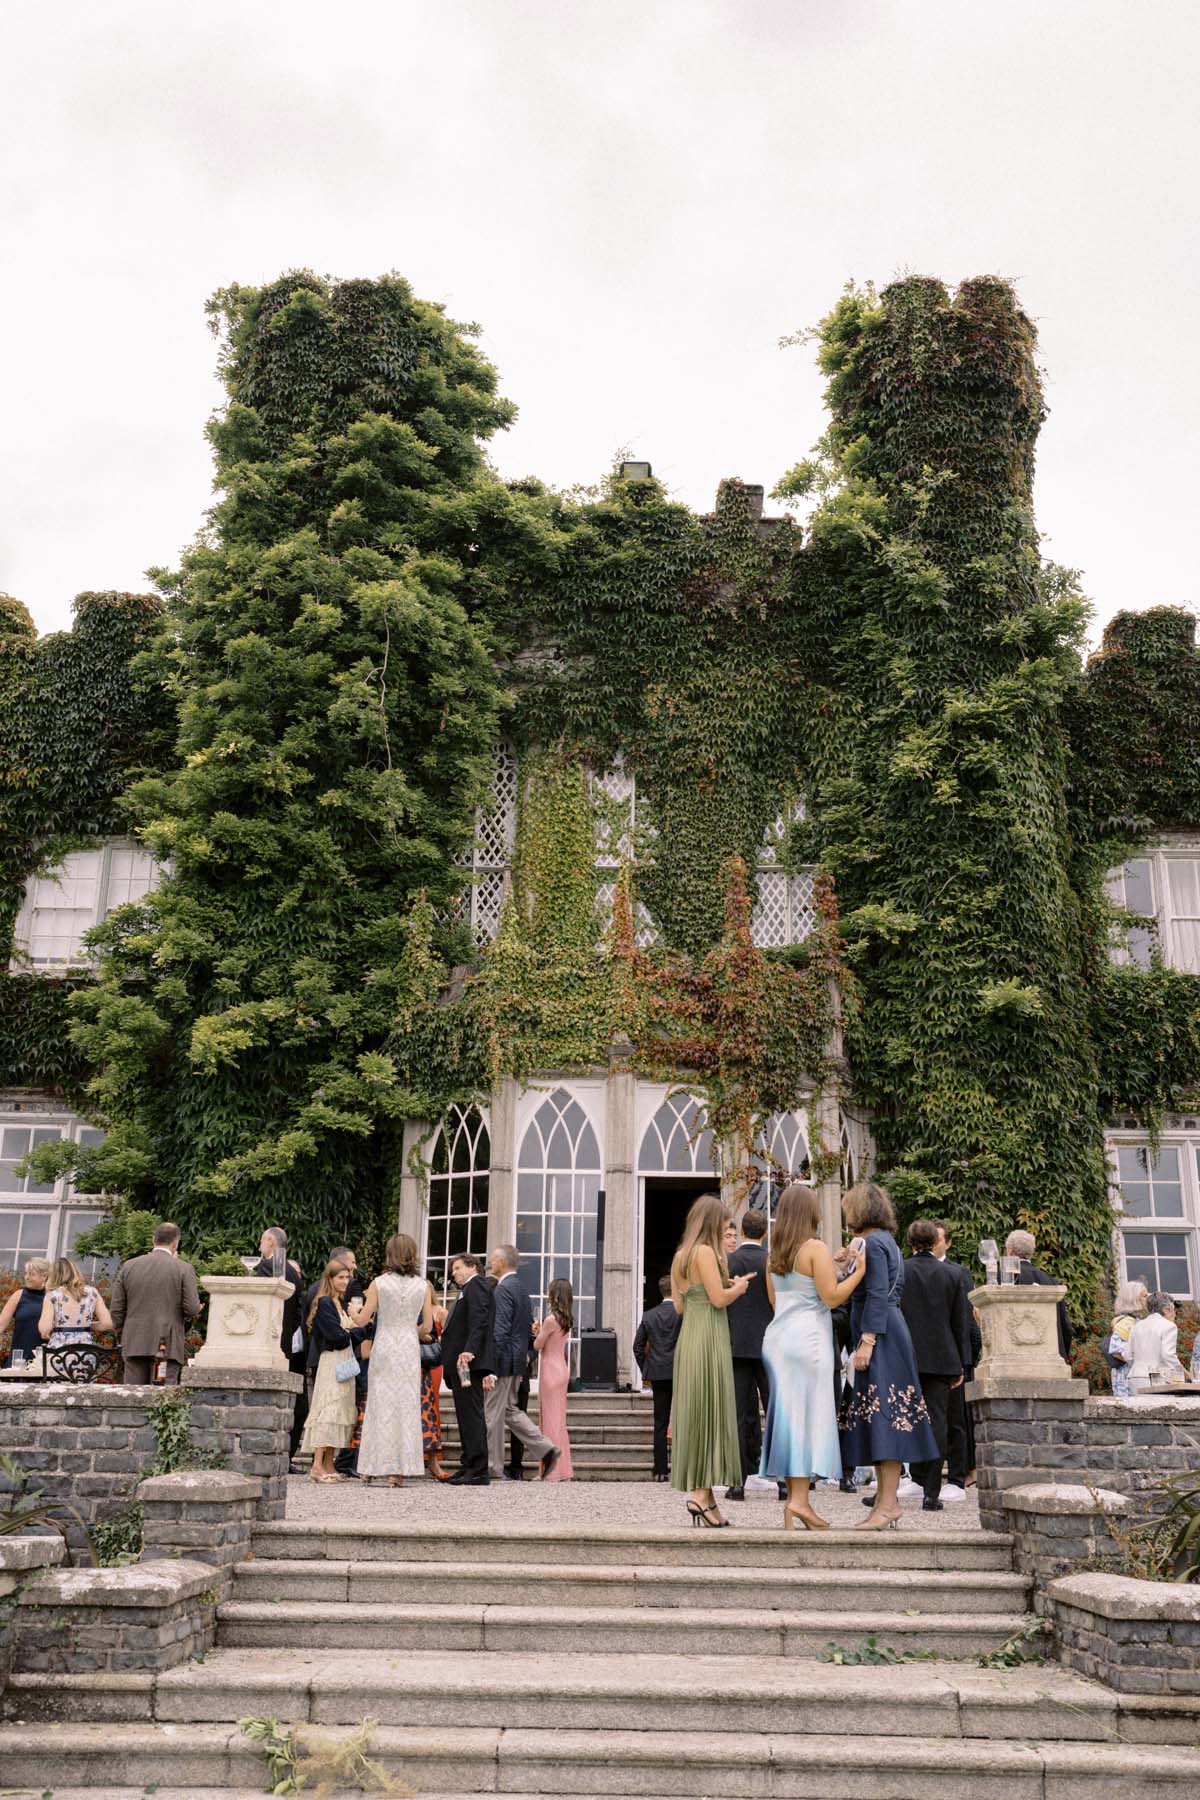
[[401, 1301]]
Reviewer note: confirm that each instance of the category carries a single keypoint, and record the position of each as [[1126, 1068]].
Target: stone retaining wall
[[149, 1616], [1139, 1637], [90, 1446], [204, 1515], [1059, 1529], [1051, 1432]]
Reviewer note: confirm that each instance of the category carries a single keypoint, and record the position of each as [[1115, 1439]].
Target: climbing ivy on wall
[[78, 720], [303, 723]]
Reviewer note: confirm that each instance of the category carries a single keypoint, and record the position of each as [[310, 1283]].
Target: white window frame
[[35, 900], [1181, 1134], [457, 1121], [62, 1203], [1165, 919]]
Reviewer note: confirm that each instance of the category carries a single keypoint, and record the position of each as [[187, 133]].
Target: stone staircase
[[612, 1435], [618, 1661]]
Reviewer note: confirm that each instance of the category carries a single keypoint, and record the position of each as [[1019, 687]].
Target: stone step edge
[[445, 1531], [641, 1574], [84, 1743], [876, 1624]]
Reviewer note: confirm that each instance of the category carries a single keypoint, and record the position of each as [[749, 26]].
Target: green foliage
[[1146, 1025], [940, 652], [125, 1232], [117, 1540], [338, 702], [171, 1422]]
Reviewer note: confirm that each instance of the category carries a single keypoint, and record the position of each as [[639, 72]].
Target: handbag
[[431, 1354], [347, 1368]]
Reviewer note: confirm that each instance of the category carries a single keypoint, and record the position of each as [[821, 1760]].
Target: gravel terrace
[[582, 1503]]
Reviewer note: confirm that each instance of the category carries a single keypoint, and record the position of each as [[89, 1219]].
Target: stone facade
[[1139, 1637], [150, 1616], [1059, 1529]]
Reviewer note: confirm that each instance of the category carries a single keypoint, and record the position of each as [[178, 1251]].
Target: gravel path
[[581, 1503]]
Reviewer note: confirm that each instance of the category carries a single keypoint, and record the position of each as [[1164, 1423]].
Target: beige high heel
[[878, 1522], [811, 1521]]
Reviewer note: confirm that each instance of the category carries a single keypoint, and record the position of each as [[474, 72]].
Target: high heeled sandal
[[811, 1521], [701, 1516], [878, 1522]]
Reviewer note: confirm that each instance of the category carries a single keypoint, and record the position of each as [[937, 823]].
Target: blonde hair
[[868, 1207], [705, 1224], [797, 1219], [325, 1287], [67, 1275], [1131, 1299], [37, 1265]]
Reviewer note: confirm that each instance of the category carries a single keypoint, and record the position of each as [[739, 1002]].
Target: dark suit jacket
[[291, 1306], [354, 1291], [328, 1332], [154, 1299], [468, 1328], [935, 1311], [654, 1342], [974, 1338], [1029, 1275], [511, 1327], [749, 1316]]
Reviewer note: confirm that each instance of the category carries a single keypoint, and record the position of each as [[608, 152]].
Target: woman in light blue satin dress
[[801, 1435]]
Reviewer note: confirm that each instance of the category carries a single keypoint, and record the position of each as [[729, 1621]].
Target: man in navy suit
[[748, 1320], [512, 1329]]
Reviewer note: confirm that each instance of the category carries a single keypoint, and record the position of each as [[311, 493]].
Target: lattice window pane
[[458, 1202]]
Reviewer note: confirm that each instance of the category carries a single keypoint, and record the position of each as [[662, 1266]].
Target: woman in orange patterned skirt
[[431, 1405]]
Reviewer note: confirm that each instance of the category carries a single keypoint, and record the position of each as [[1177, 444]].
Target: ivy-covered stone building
[[458, 852]]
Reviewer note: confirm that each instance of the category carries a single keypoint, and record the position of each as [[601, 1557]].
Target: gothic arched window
[[677, 1140], [558, 1180], [458, 1192]]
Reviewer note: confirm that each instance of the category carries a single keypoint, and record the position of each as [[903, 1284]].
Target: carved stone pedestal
[[245, 1322], [1020, 1334]]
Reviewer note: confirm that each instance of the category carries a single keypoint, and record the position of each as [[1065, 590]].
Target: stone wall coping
[[1058, 1497], [1140, 1408], [19, 1553], [81, 1394], [213, 1375], [246, 1284], [1025, 1387], [201, 1485], [149, 1584], [1125, 1597], [1011, 1294]]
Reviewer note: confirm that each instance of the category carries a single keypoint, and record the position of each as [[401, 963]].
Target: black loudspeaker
[[597, 1359]]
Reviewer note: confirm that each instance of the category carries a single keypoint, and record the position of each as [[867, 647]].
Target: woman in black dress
[[884, 1418], [23, 1309]]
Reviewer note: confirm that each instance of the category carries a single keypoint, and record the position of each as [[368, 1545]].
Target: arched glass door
[[458, 1192], [558, 1180]]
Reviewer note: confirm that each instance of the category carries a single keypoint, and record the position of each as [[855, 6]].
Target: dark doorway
[[667, 1200]]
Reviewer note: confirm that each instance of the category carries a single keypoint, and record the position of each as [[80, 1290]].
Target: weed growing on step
[[305, 1762], [1010, 1654]]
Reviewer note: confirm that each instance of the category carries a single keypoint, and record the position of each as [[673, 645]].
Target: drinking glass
[[1010, 1268], [18, 1359]]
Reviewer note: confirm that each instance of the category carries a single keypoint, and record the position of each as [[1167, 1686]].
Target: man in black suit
[[511, 1333], [935, 1311], [1023, 1244], [748, 1320], [291, 1337], [960, 1439], [654, 1354], [465, 1367]]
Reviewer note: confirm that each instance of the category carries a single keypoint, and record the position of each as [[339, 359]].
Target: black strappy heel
[[700, 1516]]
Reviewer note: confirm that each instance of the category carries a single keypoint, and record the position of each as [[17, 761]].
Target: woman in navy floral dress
[[884, 1419]]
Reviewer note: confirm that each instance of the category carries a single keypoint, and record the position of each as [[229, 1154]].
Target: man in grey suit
[[512, 1332], [154, 1300]]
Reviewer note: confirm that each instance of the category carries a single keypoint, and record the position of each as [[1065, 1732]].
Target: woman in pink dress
[[553, 1345]]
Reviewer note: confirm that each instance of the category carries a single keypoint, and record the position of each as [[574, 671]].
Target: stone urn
[[245, 1322]]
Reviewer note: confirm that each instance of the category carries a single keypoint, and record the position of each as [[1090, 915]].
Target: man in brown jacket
[[154, 1299]]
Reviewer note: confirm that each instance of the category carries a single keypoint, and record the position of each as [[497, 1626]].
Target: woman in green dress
[[704, 1436]]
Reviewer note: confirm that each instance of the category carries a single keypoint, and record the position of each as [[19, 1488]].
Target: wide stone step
[[620, 1693], [735, 1765], [576, 1630], [322, 1581], [639, 1546]]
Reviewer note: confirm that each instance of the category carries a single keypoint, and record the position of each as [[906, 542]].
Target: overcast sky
[[636, 200]]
